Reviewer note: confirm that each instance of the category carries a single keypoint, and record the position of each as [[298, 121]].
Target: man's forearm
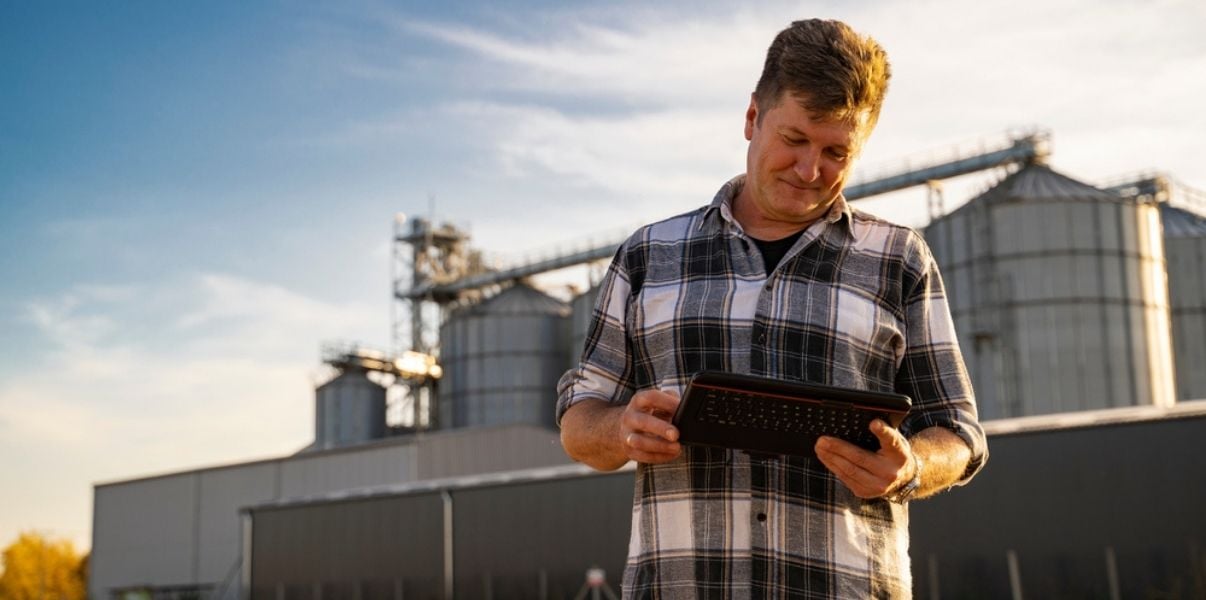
[[945, 456], [590, 434]]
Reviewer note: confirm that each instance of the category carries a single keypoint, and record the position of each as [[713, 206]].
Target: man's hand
[[870, 474], [645, 430], [606, 437]]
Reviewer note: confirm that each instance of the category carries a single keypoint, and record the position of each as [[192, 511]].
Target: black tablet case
[[832, 402]]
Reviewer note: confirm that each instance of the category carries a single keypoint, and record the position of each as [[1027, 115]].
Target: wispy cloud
[[161, 375], [676, 85], [644, 154], [652, 60]]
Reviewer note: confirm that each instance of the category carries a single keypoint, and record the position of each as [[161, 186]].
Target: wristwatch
[[905, 492]]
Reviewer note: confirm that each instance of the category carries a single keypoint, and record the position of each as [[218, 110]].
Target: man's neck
[[758, 226]]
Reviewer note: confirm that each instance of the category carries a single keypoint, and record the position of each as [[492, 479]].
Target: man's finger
[[649, 443], [860, 481], [889, 438], [644, 423], [849, 452], [649, 449], [651, 411], [659, 401]]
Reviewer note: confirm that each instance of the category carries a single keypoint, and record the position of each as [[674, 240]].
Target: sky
[[195, 196]]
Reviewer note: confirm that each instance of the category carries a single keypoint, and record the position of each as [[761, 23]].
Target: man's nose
[[808, 166]]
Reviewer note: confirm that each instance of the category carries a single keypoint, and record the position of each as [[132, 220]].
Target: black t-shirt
[[773, 251]]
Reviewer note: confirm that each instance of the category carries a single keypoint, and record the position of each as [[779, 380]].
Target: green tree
[[38, 568]]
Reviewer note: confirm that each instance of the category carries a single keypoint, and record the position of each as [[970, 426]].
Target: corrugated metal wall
[[183, 529], [378, 549], [220, 537], [145, 532], [317, 473], [1061, 500], [532, 539], [1185, 247], [510, 540], [487, 450]]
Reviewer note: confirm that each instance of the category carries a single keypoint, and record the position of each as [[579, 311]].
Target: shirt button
[[762, 338], [761, 517]]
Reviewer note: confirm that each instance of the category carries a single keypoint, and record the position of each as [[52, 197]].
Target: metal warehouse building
[[179, 535], [1103, 504]]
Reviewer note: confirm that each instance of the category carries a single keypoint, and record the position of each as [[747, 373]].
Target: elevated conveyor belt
[[1030, 147]]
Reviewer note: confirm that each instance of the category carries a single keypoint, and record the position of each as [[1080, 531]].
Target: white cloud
[[960, 71], [224, 375], [647, 154], [651, 58]]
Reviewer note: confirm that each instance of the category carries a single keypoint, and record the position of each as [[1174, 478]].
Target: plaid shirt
[[856, 302]]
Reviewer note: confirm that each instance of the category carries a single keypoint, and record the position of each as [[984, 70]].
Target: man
[[778, 277]]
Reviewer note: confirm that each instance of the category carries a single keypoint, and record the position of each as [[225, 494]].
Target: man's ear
[[751, 118]]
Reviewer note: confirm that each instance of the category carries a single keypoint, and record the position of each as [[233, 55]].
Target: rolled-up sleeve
[[604, 371], [932, 371]]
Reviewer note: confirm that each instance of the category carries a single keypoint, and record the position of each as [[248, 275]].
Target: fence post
[[1112, 573], [1015, 575], [932, 568]]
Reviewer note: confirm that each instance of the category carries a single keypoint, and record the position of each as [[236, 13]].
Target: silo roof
[[521, 299], [1040, 182], [1180, 223]]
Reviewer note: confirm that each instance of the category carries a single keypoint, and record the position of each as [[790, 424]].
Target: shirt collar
[[721, 209]]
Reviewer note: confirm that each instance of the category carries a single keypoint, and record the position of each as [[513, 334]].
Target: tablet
[[772, 416]]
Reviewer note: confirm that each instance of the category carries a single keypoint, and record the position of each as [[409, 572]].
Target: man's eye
[[792, 141]]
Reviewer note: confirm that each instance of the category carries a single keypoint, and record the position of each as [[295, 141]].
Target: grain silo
[[1185, 248], [349, 409], [502, 359], [582, 311], [1059, 296]]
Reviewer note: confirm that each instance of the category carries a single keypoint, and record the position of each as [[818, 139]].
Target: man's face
[[797, 163]]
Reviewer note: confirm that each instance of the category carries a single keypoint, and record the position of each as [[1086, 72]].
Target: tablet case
[[771, 416]]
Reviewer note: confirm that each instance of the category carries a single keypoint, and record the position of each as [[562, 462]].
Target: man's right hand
[[646, 433], [606, 436]]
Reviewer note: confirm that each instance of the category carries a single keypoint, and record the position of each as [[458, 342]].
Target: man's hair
[[836, 72]]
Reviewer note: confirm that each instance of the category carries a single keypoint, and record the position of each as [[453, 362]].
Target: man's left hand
[[870, 474]]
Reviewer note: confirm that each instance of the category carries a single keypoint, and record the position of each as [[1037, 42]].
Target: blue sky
[[194, 196]]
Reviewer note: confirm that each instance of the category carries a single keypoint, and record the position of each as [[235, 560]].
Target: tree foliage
[[38, 568]]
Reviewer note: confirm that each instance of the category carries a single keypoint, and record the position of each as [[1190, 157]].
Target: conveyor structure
[[1015, 150]]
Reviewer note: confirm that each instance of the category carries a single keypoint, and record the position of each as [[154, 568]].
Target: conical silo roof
[[1040, 182], [1179, 223], [520, 299]]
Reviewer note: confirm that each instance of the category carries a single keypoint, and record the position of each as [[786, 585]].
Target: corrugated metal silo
[[1059, 296], [502, 359], [582, 310], [1185, 248], [349, 409]]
